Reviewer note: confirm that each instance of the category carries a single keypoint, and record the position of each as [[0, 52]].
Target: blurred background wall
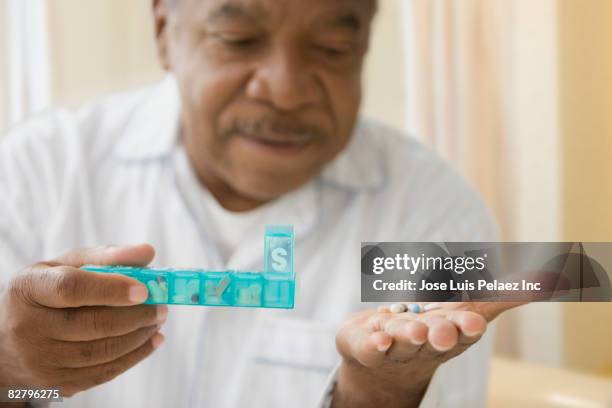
[[516, 94], [3, 74], [585, 30]]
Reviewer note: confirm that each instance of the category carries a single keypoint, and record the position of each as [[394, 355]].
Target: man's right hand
[[64, 327]]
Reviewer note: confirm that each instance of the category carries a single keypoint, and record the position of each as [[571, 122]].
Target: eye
[[242, 42], [236, 41], [334, 51]]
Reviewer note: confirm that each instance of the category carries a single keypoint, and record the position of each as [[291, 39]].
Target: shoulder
[[60, 134], [51, 151], [418, 186]]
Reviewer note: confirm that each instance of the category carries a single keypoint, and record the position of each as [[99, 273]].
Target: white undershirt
[[226, 229]]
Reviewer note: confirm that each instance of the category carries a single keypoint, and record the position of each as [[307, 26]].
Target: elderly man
[[256, 123]]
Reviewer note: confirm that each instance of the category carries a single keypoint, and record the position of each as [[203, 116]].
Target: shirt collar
[[153, 128], [362, 164]]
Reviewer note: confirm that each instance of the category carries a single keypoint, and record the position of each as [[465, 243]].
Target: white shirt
[[114, 173]]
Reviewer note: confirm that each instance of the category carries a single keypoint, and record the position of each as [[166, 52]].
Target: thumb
[[133, 255]]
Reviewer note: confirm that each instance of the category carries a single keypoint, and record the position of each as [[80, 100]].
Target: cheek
[[207, 95], [344, 96], [210, 93], [207, 88]]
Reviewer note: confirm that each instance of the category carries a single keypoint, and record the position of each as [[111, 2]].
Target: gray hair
[[171, 4]]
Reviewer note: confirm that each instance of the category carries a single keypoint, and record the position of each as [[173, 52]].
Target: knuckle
[[19, 329], [66, 284], [150, 313], [112, 371], [100, 322], [109, 348], [112, 289], [87, 351], [107, 374], [57, 356], [21, 287], [70, 314]]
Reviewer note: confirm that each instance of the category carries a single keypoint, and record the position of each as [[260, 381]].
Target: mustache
[[267, 125]]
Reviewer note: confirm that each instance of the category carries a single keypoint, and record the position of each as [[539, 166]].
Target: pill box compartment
[[185, 288], [278, 290], [217, 288], [248, 289], [157, 282]]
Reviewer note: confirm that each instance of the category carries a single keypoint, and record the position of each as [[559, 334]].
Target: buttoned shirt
[[115, 172]]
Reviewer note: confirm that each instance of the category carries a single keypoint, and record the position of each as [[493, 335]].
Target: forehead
[[353, 14]]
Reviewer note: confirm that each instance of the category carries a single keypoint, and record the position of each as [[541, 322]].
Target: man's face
[[270, 88]]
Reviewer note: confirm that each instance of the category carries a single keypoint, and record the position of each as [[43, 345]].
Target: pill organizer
[[272, 288]]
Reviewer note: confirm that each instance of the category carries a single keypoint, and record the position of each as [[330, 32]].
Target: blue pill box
[[272, 288]]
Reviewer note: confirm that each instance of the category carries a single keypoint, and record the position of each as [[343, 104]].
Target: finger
[[366, 346], [370, 348], [471, 325], [89, 353], [408, 337], [99, 322], [64, 286], [490, 310], [89, 377], [442, 334], [135, 255]]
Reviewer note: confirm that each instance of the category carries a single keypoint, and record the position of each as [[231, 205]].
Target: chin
[[269, 188]]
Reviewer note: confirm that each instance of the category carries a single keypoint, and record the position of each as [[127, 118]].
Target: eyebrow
[[350, 21], [229, 11]]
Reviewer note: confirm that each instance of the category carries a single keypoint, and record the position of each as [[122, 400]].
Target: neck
[[226, 196]]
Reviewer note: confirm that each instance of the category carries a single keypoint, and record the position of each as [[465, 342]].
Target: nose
[[283, 80]]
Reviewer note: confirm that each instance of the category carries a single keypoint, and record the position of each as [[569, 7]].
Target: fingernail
[[418, 342], [157, 340], [138, 294], [162, 313], [383, 347]]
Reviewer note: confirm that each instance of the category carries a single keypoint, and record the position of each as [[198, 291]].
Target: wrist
[[359, 386]]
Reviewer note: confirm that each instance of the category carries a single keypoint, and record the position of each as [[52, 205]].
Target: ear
[[160, 19]]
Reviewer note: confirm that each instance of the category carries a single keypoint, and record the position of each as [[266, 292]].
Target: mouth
[[278, 144]]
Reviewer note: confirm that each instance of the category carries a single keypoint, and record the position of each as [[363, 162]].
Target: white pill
[[397, 308], [431, 306]]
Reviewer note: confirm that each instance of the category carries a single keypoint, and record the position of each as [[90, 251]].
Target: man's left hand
[[389, 358]]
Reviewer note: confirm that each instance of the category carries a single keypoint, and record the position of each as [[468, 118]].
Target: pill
[[163, 286], [223, 284], [397, 308], [382, 309], [157, 294], [415, 308], [431, 306], [192, 291]]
